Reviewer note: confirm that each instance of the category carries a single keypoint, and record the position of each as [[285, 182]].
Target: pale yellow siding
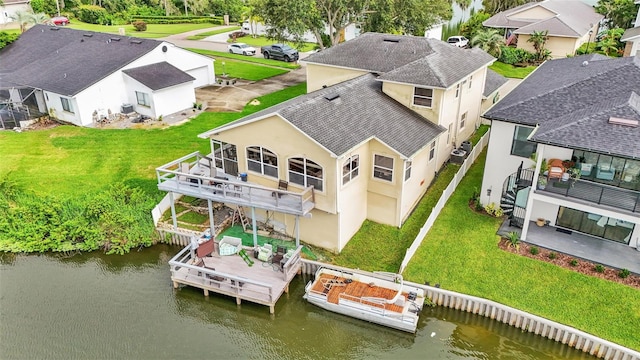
[[536, 12], [321, 75], [403, 93], [352, 199], [560, 47], [382, 206], [422, 173]]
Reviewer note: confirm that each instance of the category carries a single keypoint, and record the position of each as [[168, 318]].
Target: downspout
[[404, 168], [338, 202]]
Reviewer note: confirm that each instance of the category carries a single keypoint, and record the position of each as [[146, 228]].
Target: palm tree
[[251, 14], [539, 40], [489, 40], [24, 18], [39, 18]]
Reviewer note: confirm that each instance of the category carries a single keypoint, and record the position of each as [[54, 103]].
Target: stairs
[[516, 182], [507, 202], [239, 213]]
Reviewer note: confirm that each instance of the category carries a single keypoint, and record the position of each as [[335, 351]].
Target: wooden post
[[238, 300], [286, 289], [211, 220], [175, 284], [297, 230], [206, 292], [272, 309], [255, 227], [173, 212]]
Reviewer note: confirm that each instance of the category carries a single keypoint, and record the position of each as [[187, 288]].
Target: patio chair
[[282, 185], [556, 169], [265, 252]]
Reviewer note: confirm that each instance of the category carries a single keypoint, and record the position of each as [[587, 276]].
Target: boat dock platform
[[240, 275]]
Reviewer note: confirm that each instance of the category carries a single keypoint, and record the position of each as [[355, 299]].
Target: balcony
[[194, 175], [601, 194]]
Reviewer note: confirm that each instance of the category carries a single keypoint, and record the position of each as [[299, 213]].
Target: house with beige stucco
[[569, 23], [381, 116]]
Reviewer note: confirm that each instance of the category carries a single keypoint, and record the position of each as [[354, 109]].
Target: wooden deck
[[262, 283], [334, 287], [191, 175]]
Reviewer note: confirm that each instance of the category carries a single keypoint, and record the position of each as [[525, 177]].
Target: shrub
[[494, 210], [534, 250], [91, 14], [624, 273], [599, 268], [552, 255], [512, 56], [237, 34], [514, 239], [139, 25], [573, 262]]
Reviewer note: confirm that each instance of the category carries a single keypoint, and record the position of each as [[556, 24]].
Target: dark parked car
[[279, 52], [60, 20]]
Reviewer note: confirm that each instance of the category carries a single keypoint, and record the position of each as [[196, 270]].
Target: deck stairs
[[515, 183]]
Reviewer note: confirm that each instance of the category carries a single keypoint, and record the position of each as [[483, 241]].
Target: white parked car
[[242, 48], [459, 41]]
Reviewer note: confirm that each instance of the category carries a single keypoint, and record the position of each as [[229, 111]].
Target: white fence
[[446, 193]]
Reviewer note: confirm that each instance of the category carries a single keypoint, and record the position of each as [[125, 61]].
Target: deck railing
[[292, 265], [203, 276], [192, 175], [597, 193]]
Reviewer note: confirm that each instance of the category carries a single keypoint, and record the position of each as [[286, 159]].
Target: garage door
[[201, 74]]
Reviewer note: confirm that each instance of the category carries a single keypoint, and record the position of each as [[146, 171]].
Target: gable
[[536, 12]]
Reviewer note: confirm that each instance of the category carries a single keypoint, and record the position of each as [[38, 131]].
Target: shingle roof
[[630, 33], [159, 75], [407, 59], [493, 82], [571, 100], [359, 112], [570, 19], [67, 61]]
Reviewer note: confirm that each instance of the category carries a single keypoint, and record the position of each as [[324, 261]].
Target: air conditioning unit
[[458, 156], [127, 108], [466, 146]]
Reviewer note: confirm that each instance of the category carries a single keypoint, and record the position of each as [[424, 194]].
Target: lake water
[[94, 306]]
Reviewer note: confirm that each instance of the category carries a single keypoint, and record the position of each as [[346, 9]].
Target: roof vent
[[136, 41], [332, 97], [54, 28], [585, 63], [391, 40], [115, 39], [87, 35], [623, 122]]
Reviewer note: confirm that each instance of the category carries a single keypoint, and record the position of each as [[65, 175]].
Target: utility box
[[127, 108]]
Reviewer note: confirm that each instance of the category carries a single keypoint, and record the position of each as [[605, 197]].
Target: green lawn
[[461, 253], [511, 71], [153, 30], [214, 32], [258, 59], [73, 161], [260, 41], [244, 70]]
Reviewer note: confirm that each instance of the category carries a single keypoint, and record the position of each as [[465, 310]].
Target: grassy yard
[[461, 253], [73, 161], [260, 41], [511, 71], [214, 32], [153, 30], [258, 59], [244, 70]]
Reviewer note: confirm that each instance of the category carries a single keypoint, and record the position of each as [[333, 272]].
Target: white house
[[10, 7], [80, 76], [632, 36], [258, 28], [562, 152]]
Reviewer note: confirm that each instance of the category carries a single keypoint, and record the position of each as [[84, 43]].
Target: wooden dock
[[262, 283]]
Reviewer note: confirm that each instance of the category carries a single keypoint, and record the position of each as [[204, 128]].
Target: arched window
[[306, 173], [262, 160]]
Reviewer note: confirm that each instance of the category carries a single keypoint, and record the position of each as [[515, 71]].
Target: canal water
[[93, 306]]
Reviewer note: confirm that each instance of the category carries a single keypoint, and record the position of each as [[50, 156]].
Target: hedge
[[178, 19]]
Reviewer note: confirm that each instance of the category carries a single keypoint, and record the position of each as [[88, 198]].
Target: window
[[67, 105], [432, 151], [521, 146], [383, 167], [350, 169], [262, 161], [457, 90], [306, 173], [596, 225], [470, 81], [407, 170], [143, 99], [225, 157], [449, 134], [463, 119], [422, 97]]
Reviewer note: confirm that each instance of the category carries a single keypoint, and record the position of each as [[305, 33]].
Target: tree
[[26, 18], [405, 16], [44, 6], [495, 6], [233, 8], [488, 40], [250, 13], [337, 15], [610, 43], [470, 28], [289, 19], [618, 13], [539, 40]]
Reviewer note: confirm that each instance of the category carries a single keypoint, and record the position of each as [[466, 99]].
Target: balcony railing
[[597, 193]]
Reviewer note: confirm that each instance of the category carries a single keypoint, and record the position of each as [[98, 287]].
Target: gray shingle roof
[[361, 111], [572, 103], [406, 59], [159, 75], [493, 82], [441, 69], [571, 19], [67, 61]]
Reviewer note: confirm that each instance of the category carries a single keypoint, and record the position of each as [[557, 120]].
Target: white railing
[[446, 193]]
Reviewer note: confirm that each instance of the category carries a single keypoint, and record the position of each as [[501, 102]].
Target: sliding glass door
[[601, 226]]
